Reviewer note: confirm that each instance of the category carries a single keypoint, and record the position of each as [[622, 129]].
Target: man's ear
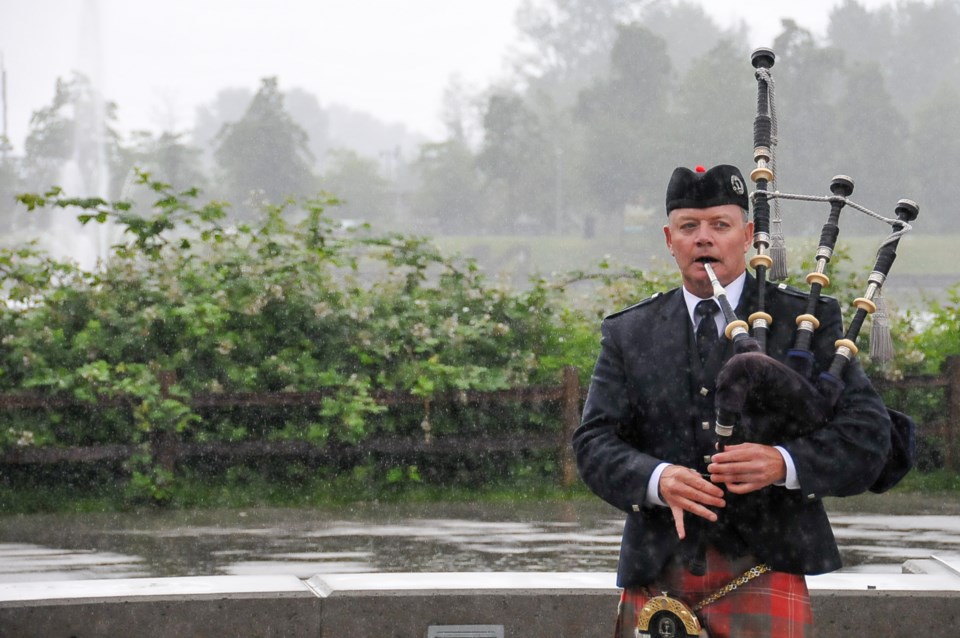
[[669, 239]]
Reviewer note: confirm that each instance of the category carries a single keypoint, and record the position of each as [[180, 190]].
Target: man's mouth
[[706, 259]]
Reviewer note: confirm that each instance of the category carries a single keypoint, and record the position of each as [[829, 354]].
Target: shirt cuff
[[653, 485], [791, 482]]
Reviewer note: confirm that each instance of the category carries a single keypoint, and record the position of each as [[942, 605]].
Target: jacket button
[[705, 425], [704, 392]]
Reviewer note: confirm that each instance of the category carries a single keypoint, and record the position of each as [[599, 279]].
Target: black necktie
[[707, 336]]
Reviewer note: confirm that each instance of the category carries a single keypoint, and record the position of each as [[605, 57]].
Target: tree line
[[603, 99]]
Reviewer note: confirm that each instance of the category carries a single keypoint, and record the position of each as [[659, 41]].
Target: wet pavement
[[567, 536]]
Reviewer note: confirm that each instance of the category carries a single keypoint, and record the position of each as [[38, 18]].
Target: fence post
[[571, 419], [951, 370], [164, 441]]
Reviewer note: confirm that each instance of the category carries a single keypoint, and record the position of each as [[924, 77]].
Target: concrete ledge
[[161, 607], [925, 602]]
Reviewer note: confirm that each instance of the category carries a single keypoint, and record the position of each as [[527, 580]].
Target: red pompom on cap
[[700, 169]]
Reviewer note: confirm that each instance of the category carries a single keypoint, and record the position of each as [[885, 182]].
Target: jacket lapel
[[673, 337]]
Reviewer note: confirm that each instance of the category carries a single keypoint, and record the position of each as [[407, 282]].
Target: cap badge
[[737, 185]]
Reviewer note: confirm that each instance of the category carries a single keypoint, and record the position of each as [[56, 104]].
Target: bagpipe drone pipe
[[759, 398]]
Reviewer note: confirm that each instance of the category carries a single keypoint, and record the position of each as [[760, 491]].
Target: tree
[[515, 159], [356, 181], [73, 132], [10, 186], [806, 76], [306, 111], [862, 35], [690, 33], [228, 106], [448, 198], [713, 110], [265, 153], [935, 154], [914, 44], [167, 158], [924, 52], [624, 119], [566, 39], [565, 44], [872, 135]]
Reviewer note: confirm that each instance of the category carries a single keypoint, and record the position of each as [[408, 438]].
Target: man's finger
[[678, 521]]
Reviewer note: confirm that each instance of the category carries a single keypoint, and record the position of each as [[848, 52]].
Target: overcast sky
[[390, 58]]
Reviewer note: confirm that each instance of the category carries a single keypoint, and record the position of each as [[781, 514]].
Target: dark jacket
[[649, 402]]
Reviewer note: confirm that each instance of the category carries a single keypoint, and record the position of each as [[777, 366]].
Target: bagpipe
[[759, 398]]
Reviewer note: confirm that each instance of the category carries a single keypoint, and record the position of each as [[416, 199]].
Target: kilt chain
[[740, 580]]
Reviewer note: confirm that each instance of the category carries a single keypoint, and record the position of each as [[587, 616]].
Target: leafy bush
[[294, 302]]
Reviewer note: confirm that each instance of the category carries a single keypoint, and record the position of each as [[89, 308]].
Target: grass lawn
[[916, 255]]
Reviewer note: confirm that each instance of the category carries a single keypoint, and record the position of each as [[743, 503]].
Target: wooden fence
[[168, 450], [947, 424]]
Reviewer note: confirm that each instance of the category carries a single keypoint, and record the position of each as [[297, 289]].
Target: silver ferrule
[[824, 252], [806, 325], [761, 241], [877, 277], [723, 430], [845, 352]]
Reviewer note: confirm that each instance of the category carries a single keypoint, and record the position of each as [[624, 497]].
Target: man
[[646, 443]]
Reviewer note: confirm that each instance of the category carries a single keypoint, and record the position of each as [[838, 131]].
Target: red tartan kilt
[[773, 605]]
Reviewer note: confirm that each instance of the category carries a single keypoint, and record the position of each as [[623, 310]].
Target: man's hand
[[684, 490], [747, 467]]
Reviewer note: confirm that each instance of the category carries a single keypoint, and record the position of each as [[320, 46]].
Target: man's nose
[[704, 235]]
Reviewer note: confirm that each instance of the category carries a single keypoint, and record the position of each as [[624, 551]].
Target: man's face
[[718, 235]]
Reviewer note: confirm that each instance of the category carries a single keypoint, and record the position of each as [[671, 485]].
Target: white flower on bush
[[450, 326], [24, 437], [361, 314], [256, 306], [420, 331]]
